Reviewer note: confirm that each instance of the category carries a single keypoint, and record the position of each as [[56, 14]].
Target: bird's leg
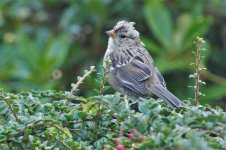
[[127, 105], [126, 102]]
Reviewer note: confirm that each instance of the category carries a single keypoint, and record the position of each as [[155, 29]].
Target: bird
[[130, 67]]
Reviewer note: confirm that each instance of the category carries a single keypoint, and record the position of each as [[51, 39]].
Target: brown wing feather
[[133, 74]]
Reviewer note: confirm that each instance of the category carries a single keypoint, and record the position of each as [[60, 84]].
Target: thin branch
[[197, 67], [62, 143], [75, 86], [80, 81], [108, 129], [74, 131], [211, 132], [14, 114], [81, 121], [60, 129]]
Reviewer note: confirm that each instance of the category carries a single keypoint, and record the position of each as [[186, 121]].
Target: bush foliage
[[60, 120]]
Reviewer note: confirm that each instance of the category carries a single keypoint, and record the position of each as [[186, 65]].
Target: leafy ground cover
[[61, 120]]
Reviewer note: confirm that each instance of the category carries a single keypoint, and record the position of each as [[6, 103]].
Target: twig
[[211, 132], [198, 69], [60, 129], [197, 66], [81, 121], [14, 114], [75, 86], [74, 131], [108, 129], [80, 81], [126, 102], [62, 143]]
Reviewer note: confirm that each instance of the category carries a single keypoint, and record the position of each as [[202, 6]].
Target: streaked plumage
[[132, 71]]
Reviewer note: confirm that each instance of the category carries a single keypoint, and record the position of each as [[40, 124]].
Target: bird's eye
[[122, 36]]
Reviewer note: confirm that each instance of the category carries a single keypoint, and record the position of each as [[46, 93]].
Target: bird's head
[[124, 33]]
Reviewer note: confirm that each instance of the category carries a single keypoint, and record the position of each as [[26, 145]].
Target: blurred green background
[[45, 44]]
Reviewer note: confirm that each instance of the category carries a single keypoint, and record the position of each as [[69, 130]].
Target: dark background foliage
[[45, 44]]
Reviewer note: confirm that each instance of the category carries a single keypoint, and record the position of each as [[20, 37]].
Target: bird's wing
[[133, 74], [160, 77]]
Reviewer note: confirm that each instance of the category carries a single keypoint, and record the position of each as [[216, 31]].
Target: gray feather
[[166, 95], [130, 79], [160, 77], [133, 74]]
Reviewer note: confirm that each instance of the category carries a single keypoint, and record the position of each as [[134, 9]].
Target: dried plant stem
[[198, 70], [197, 67], [62, 143], [75, 86], [14, 114], [59, 128], [80, 81]]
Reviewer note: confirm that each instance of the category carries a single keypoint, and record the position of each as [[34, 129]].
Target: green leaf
[[82, 115], [142, 125], [28, 131], [9, 101], [58, 50], [2, 138], [67, 131], [16, 109], [160, 21], [184, 22]]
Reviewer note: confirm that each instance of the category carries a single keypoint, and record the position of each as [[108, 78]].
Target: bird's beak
[[111, 33]]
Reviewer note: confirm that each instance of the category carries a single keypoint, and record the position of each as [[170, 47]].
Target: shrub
[[60, 120]]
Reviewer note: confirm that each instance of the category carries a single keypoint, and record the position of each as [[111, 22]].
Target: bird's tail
[[167, 96]]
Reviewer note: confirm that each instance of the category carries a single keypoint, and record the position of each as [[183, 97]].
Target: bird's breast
[[118, 58]]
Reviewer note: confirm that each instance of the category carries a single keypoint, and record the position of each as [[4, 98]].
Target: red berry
[[131, 136], [120, 147], [140, 138], [116, 141]]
